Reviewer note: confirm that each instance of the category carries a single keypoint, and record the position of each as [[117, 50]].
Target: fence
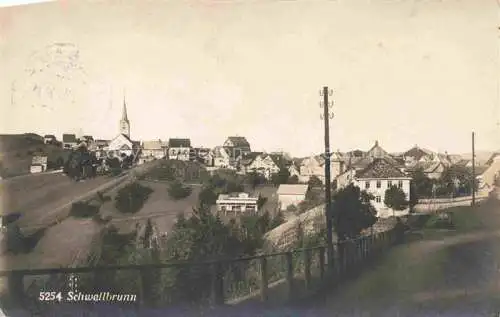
[[278, 277]]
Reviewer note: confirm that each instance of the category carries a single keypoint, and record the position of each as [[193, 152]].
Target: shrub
[[82, 209], [178, 191], [131, 198]]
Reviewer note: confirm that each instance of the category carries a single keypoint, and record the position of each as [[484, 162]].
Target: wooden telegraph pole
[[473, 172], [326, 105]]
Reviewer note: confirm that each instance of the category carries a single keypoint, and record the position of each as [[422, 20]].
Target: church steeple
[[124, 123]]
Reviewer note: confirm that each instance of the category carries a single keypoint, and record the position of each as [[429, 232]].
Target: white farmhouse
[[375, 179], [291, 194]]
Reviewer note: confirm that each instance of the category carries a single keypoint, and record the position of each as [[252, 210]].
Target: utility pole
[[473, 172], [326, 105]]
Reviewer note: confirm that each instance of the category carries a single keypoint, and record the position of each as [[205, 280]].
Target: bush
[[179, 191], [82, 209], [131, 198]]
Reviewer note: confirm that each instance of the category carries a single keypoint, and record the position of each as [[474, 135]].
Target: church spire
[[124, 112]]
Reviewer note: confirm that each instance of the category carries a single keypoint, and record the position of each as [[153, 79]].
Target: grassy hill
[[17, 151]]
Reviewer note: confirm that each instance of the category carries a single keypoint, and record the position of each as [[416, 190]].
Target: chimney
[[376, 143]]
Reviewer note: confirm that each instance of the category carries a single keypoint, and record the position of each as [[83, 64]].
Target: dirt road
[[454, 275]]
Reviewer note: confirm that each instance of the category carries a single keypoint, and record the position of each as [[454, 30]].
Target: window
[[378, 199], [379, 184], [367, 184], [389, 184], [400, 184]]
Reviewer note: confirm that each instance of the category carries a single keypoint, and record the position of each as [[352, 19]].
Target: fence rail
[[281, 276]]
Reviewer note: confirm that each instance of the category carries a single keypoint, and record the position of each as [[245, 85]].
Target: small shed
[[291, 194]]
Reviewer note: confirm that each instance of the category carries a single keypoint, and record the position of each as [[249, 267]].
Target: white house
[[154, 149], [263, 164], [220, 157], [38, 164], [289, 194], [236, 202], [315, 166], [375, 179], [179, 149], [49, 139], [69, 141]]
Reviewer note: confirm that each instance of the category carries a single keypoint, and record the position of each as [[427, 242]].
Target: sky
[[402, 72]]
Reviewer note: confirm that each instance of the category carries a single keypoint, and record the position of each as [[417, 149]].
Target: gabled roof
[[377, 151], [238, 141], [153, 145], [417, 153], [69, 138], [380, 168], [279, 160], [219, 151], [248, 158], [292, 189], [478, 170], [179, 143], [426, 167]]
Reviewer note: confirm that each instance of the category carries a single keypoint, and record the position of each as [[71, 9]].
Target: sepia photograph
[[250, 158]]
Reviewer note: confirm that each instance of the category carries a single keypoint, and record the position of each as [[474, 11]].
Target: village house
[[204, 156], [236, 147], [121, 146], [236, 203], [294, 169], [38, 164], [49, 139], [156, 149], [416, 154], [375, 179], [315, 166], [291, 194], [179, 149], [69, 141], [432, 170], [491, 171], [221, 157], [263, 164]]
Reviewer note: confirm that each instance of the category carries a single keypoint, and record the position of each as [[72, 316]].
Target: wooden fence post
[[264, 283], [289, 275], [322, 262], [307, 269], [217, 284]]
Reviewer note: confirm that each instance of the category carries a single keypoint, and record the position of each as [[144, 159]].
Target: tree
[[293, 179], [261, 201], [352, 212], [131, 198], [281, 177], [178, 191], [254, 179], [413, 195], [314, 181], [423, 184], [395, 198], [207, 197]]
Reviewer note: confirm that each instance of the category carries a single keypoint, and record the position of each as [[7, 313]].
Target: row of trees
[[454, 181]]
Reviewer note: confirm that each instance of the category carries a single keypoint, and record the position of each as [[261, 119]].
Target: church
[[122, 144]]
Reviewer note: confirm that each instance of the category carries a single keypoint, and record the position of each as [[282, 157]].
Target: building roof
[[49, 136], [478, 170], [380, 168], [179, 143], [426, 167], [292, 189], [248, 158], [153, 145], [377, 151], [236, 196], [238, 141], [69, 138], [417, 153], [39, 159]]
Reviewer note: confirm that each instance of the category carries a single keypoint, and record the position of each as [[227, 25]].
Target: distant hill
[[481, 156], [17, 151]]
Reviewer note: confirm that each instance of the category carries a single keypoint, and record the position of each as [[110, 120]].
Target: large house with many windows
[[375, 179]]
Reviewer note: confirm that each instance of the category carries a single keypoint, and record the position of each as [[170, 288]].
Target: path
[[457, 275]]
